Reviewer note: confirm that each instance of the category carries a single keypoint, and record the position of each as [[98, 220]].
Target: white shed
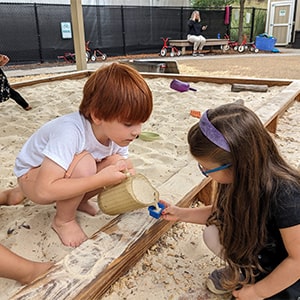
[[283, 22]]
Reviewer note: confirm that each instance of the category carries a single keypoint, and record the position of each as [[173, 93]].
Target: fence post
[[181, 23], [38, 33], [123, 30], [252, 24]]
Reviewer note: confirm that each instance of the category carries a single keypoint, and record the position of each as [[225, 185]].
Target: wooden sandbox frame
[[127, 246]]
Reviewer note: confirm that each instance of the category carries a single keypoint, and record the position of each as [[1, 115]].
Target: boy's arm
[[52, 185]]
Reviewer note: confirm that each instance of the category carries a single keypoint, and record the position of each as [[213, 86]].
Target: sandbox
[[119, 242]]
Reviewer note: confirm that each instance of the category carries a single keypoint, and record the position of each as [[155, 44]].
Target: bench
[[209, 42]]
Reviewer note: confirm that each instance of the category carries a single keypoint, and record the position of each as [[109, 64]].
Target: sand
[[176, 267]]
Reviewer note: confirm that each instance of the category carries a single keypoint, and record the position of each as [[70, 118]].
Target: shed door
[[281, 20]]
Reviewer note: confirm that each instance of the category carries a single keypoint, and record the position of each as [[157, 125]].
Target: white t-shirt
[[59, 140]]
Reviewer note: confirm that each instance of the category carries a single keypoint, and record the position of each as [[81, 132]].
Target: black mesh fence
[[19, 36], [32, 32], [50, 38]]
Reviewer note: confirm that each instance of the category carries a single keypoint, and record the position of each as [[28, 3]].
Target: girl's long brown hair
[[241, 209]]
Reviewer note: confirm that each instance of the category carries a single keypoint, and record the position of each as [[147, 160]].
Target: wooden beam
[[275, 108], [220, 80], [238, 87], [206, 193], [78, 34], [133, 253], [73, 75], [187, 78]]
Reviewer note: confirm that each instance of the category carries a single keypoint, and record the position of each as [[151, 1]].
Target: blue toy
[[154, 211]]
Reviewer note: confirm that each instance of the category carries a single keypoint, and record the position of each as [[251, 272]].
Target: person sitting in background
[[6, 91], [195, 28]]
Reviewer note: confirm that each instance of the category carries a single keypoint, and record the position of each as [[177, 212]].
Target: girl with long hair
[[254, 221]]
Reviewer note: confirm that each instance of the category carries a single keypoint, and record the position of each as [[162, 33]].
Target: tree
[[241, 20]]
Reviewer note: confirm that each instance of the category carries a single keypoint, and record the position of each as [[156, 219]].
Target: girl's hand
[[247, 292], [3, 59], [171, 212]]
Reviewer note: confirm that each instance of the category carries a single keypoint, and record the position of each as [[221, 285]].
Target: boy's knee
[[83, 165]]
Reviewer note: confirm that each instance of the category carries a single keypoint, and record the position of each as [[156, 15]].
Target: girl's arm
[[197, 215], [286, 273]]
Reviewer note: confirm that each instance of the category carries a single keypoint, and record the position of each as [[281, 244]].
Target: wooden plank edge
[[135, 251], [72, 75], [220, 80], [191, 78], [284, 100]]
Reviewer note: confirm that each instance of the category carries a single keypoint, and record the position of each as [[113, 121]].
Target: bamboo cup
[[134, 193]]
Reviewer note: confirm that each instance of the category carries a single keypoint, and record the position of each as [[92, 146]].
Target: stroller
[[93, 54]]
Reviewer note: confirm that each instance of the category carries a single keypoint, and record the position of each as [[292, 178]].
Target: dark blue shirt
[[194, 27]]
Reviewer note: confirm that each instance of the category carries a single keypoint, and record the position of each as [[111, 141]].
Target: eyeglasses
[[206, 172]]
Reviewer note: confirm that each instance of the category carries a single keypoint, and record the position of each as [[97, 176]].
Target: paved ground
[[285, 64]]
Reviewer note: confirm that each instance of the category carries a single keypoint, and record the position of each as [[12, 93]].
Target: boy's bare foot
[[28, 107], [69, 233], [38, 269], [11, 197], [88, 207]]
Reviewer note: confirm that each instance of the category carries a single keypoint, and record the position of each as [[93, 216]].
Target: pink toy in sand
[[180, 86]]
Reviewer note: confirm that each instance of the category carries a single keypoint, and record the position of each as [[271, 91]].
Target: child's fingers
[[121, 164], [165, 203], [168, 217]]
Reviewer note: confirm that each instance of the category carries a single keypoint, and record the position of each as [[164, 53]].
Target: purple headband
[[212, 133]]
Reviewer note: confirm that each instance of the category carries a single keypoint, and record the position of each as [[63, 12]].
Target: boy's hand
[[113, 174], [117, 159]]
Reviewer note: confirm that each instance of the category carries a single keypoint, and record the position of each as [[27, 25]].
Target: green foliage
[[211, 3], [222, 3], [259, 23]]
